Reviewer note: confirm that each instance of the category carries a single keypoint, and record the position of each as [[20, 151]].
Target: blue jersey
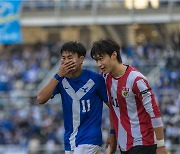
[[82, 102]]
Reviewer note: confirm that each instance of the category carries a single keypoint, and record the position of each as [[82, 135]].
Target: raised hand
[[66, 68]]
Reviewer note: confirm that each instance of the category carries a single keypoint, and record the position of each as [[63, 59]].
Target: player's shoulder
[[135, 74]]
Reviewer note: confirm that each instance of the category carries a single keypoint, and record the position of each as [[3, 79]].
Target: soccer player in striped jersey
[[83, 93], [133, 108]]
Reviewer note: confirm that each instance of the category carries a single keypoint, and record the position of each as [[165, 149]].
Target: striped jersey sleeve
[[144, 93]]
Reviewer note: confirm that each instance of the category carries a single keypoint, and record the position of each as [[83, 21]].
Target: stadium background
[[148, 31]]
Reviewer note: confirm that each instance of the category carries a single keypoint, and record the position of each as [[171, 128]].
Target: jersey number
[[115, 102], [85, 105]]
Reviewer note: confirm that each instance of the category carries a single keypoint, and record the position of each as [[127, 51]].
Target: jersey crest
[[125, 92]]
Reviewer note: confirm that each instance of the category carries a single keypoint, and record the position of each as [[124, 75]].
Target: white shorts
[[85, 149]]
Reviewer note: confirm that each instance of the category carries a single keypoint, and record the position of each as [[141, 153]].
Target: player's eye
[[100, 58]]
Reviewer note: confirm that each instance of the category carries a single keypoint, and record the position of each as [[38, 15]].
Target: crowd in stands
[[167, 89], [22, 67], [24, 122]]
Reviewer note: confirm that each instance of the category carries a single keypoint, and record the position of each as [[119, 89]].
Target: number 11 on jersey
[[85, 104]]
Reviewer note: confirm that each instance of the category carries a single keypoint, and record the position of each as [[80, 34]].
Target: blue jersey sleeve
[[102, 92]]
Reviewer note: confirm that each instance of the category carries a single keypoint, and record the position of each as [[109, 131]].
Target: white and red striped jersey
[[133, 109]]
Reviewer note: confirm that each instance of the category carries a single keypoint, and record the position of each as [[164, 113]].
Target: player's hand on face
[[66, 67]]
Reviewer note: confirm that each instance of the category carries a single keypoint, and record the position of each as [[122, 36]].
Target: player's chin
[[104, 71]]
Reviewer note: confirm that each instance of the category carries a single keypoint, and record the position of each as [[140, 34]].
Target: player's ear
[[81, 59], [114, 55]]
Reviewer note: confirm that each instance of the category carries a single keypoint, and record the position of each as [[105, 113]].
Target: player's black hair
[[105, 46], [74, 47]]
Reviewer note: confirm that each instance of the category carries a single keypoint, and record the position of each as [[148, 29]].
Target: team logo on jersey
[[125, 92]]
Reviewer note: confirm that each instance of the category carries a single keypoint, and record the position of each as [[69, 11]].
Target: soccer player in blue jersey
[[83, 93]]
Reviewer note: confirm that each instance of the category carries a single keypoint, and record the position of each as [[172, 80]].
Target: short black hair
[[74, 47], [106, 46]]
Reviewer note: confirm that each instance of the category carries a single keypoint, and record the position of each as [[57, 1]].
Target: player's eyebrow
[[96, 57]]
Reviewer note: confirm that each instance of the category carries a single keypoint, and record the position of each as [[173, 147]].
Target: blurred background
[[31, 35]]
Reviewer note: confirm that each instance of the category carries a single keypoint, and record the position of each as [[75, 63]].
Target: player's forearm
[[111, 122], [160, 139], [46, 92], [159, 133]]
